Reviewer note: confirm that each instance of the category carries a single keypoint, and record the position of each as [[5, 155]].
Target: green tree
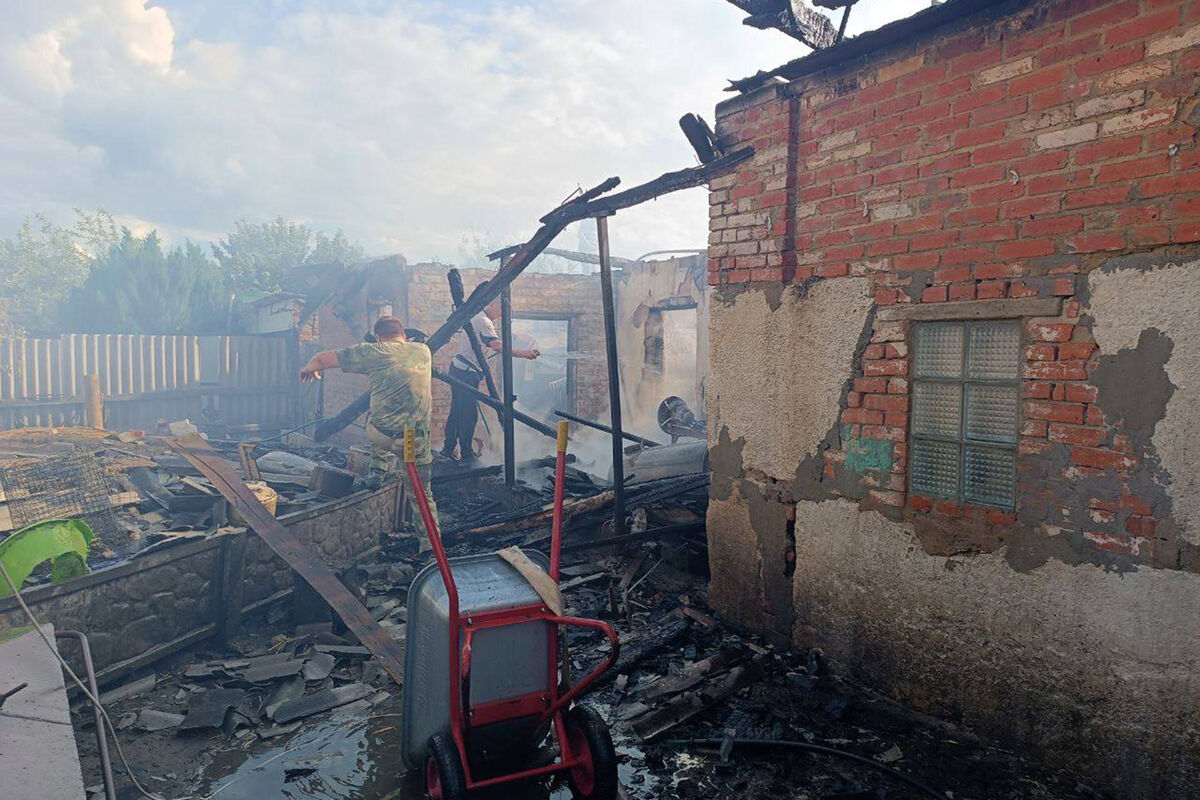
[[139, 288], [44, 262], [260, 255]]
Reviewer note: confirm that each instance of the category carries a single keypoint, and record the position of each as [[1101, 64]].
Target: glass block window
[[965, 409]]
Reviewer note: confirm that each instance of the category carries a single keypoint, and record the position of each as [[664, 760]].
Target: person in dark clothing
[[464, 407]]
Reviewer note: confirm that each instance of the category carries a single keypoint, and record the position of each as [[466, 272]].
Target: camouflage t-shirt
[[401, 396]]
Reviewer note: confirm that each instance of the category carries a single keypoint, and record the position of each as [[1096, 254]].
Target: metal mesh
[[67, 487]]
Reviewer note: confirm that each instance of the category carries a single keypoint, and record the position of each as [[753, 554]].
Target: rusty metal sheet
[[220, 472]]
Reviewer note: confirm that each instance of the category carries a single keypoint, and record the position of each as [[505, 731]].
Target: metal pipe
[[519, 416], [614, 375], [588, 423], [506, 355], [454, 278], [110, 788]]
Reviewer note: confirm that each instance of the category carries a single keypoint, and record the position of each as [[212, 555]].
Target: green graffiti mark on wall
[[866, 455]]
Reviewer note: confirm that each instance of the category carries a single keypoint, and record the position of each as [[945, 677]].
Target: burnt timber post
[[614, 376], [506, 356], [457, 298], [581, 207]]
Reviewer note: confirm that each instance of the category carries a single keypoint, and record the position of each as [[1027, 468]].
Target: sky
[[411, 125]]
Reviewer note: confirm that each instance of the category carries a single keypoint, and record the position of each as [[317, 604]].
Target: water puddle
[[344, 758], [338, 759]]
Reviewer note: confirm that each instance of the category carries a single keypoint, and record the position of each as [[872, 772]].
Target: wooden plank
[[224, 478]]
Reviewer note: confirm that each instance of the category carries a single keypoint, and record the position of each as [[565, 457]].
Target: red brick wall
[[1001, 158]]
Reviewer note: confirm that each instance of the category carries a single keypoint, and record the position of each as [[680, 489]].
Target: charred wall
[[1030, 165]]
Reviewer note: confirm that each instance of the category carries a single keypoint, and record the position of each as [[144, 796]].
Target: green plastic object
[[64, 542]]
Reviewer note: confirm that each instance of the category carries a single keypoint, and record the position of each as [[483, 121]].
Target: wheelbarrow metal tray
[[507, 662]]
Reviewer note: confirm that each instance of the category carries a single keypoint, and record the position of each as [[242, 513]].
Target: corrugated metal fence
[[219, 380]]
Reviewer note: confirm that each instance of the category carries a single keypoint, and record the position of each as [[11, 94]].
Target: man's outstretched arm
[[517, 352], [326, 359]]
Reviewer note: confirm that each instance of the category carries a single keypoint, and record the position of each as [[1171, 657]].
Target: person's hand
[[309, 375], [532, 353]]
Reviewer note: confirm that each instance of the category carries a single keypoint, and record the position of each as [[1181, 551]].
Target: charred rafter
[[591, 203]]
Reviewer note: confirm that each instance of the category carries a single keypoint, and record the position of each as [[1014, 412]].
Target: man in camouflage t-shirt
[[401, 394]]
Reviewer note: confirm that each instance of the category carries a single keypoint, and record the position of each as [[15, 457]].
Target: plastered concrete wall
[[1073, 658], [779, 357], [1126, 304], [1033, 162]]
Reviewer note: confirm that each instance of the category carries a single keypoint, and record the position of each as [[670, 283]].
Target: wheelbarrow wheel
[[596, 776], [444, 777]]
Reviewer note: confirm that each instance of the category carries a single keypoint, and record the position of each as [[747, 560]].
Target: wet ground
[[675, 656]]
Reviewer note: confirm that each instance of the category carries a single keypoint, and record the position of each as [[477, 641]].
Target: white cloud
[[407, 125]]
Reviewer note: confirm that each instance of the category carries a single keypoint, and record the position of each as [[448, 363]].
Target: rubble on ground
[[139, 497], [304, 711]]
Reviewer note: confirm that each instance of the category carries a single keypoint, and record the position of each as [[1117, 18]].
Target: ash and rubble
[[303, 711], [139, 497]]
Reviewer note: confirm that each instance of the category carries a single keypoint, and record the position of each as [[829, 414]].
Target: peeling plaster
[[800, 353], [1124, 304]]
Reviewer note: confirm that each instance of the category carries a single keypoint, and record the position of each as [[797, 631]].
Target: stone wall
[[1035, 162], [140, 611]]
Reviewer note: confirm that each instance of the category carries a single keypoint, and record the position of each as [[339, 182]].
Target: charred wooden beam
[[491, 402], [598, 426], [506, 357], [792, 17], [457, 297], [614, 376], [582, 207], [306, 563]]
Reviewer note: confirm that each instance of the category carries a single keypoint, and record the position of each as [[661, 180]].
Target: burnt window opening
[[672, 347], [965, 411]]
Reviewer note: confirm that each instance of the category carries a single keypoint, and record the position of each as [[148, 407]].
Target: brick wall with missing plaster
[[1017, 159], [1001, 159]]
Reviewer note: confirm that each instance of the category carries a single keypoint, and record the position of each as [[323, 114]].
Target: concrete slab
[[37, 742]]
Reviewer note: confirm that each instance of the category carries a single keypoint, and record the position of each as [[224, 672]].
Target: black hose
[[816, 748]]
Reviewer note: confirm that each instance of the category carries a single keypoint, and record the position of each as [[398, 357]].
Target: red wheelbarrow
[[486, 677]]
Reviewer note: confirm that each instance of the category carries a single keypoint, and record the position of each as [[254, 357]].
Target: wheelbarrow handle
[[614, 651]]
